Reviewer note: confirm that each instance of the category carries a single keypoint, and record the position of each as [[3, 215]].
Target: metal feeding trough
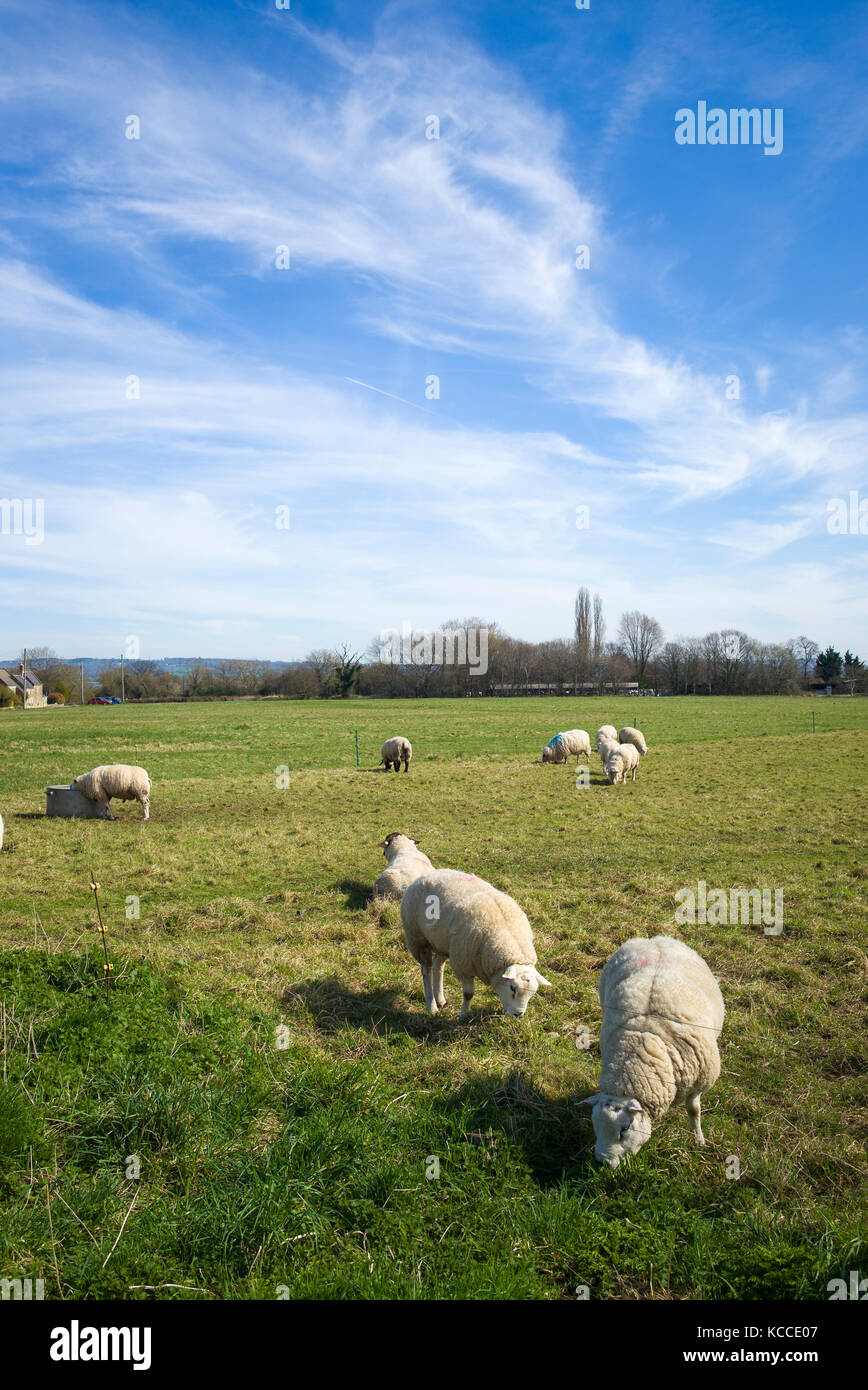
[[68, 801]]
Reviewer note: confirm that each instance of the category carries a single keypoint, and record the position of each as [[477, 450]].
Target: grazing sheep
[[574, 742], [662, 1016], [405, 863], [621, 759], [605, 746], [607, 733], [634, 736], [115, 779], [396, 750], [481, 932]]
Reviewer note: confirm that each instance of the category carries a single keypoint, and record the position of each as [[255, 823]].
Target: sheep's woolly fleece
[[120, 780], [405, 863], [396, 749], [662, 1015], [634, 736]]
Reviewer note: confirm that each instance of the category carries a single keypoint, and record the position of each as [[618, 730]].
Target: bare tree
[[806, 651], [582, 634], [598, 641], [641, 637]]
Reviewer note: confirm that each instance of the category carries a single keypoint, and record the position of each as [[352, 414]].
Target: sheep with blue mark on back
[[574, 743]]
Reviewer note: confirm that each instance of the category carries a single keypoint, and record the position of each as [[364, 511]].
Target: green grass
[[305, 1166]]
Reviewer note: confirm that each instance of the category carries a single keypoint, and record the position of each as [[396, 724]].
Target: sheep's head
[[394, 843], [547, 754], [621, 1127], [516, 986], [614, 768]]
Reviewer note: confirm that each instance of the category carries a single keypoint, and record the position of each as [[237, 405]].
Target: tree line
[[491, 662]]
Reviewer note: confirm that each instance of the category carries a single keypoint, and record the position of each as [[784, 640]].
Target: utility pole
[[123, 695], [82, 682], [24, 681]]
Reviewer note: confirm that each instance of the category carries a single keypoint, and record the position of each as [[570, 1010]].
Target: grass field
[[297, 1161]]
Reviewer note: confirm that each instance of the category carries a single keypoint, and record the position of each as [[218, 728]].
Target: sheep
[[404, 863], [621, 759], [563, 746], [484, 935], [606, 733], [662, 1015], [115, 779], [396, 750], [605, 746], [630, 735]]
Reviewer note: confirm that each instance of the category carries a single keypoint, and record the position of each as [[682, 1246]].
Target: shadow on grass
[[555, 1136], [334, 1007], [357, 894], [30, 815]]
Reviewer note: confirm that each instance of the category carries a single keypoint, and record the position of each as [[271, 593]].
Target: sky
[[295, 348]]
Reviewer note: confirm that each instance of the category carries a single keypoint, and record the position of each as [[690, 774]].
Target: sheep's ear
[[589, 1100], [541, 980], [634, 1107], [509, 972]]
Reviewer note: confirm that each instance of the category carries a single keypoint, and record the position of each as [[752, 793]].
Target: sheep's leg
[[406, 764], [427, 959], [108, 809], [694, 1110], [467, 995], [146, 806], [437, 980], [397, 764]]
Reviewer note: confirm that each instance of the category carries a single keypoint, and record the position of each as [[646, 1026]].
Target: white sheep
[[662, 1016], [606, 733], [621, 759], [115, 779], [605, 746], [573, 743], [396, 750], [405, 863], [630, 735], [482, 932]]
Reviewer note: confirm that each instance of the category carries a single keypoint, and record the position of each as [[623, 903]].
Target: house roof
[[15, 679]]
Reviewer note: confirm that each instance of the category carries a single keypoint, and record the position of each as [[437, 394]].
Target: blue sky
[[262, 387]]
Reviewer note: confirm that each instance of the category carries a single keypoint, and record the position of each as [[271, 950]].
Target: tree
[[805, 650], [641, 637], [828, 666], [582, 635], [346, 670], [598, 641]]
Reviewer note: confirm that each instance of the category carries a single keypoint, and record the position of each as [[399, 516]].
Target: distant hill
[[177, 665]]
